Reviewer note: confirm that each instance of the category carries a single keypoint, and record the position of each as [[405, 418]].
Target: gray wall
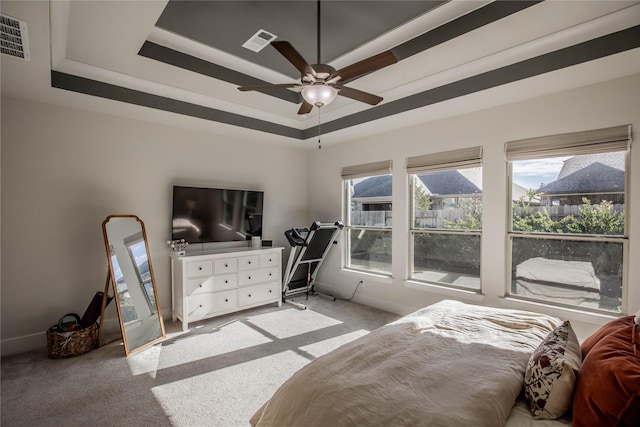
[[65, 170], [616, 102]]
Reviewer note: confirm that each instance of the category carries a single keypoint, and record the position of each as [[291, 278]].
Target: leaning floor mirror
[[131, 274]]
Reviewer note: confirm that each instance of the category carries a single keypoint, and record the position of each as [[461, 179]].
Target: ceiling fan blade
[[288, 51], [359, 95], [268, 87], [365, 66], [305, 108]]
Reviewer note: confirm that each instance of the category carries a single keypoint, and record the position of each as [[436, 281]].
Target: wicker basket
[[73, 343]]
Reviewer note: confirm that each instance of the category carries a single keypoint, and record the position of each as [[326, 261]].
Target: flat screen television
[[205, 215]]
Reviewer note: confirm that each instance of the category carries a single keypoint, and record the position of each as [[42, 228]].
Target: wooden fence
[[371, 218], [438, 218]]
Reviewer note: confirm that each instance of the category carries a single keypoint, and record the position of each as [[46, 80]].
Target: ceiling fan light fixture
[[319, 94]]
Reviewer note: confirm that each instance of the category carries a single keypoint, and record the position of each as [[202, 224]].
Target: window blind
[[617, 138], [367, 169], [455, 159]]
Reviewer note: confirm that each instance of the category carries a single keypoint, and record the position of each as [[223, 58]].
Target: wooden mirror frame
[[113, 279]]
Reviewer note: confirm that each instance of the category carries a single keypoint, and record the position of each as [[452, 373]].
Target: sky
[[533, 173]]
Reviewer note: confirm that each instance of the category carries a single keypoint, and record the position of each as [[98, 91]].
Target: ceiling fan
[[321, 83]]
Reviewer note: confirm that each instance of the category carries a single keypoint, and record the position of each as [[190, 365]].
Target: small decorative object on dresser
[[179, 246], [223, 281]]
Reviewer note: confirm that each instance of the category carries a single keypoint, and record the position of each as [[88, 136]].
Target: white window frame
[[353, 172], [470, 157], [606, 140]]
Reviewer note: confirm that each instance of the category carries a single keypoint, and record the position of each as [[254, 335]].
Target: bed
[[448, 364]]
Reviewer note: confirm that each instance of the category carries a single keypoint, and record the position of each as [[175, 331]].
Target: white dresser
[[223, 281]]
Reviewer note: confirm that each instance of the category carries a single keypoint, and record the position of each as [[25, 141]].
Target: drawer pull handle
[[226, 265], [249, 295], [200, 268], [200, 305], [270, 274], [249, 262], [270, 290], [249, 277], [200, 285], [269, 259], [226, 281], [226, 300]]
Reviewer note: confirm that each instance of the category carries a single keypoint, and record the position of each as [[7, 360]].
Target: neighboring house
[[450, 188], [600, 176], [373, 194]]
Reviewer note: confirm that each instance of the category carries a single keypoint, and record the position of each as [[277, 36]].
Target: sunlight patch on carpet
[[320, 348], [208, 342], [145, 362], [292, 322], [232, 393]]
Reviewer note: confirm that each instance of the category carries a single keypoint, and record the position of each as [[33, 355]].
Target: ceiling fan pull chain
[[319, 145]]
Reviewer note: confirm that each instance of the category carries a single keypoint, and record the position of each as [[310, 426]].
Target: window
[[368, 217], [567, 233], [446, 217], [138, 253]]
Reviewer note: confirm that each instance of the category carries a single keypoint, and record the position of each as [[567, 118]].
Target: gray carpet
[[216, 374]]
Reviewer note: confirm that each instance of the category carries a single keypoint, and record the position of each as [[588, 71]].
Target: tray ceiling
[[185, 60]]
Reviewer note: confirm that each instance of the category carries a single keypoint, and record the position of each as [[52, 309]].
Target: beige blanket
[[449, 364]]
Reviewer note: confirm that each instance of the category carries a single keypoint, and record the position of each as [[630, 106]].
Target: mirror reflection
[[133, 281]]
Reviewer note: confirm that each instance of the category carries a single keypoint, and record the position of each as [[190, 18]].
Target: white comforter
[[449, 364]]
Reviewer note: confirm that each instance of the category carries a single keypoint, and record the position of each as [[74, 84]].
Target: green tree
[[422, 199], [595, 219], [472, 217], [526, 219]]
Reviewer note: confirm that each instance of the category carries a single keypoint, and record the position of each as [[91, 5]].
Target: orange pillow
[[608, 389]]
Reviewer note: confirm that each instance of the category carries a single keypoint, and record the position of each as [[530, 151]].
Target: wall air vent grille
[[259, 40], [13, 37]]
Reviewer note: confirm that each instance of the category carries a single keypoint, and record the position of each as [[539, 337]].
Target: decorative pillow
[[551, 373], [608, 388]]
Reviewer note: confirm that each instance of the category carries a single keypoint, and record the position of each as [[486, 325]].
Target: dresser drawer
[[225, 265], [199, 285], [259, 293], [225, 281], [199, 268], [262, 275], [204, 304], [269, 260], [212, 284], [248, 262]]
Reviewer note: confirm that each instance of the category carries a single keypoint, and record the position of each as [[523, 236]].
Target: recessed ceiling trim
[[573, 55], [598, 27], [210, 54], [117, 93], [182, 60], [452, 29], [590, 50], [469, 22]]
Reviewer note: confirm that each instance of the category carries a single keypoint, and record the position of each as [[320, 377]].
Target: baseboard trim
[[24, 343], [38, 341], [360, 298]]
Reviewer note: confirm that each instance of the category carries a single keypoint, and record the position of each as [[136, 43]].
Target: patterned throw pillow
[[550, 376]]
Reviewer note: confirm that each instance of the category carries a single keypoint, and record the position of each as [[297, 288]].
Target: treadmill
[[309, 247]]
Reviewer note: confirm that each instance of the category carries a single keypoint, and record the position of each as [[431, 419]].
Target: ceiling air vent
[[13, 37], [259, 40]]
